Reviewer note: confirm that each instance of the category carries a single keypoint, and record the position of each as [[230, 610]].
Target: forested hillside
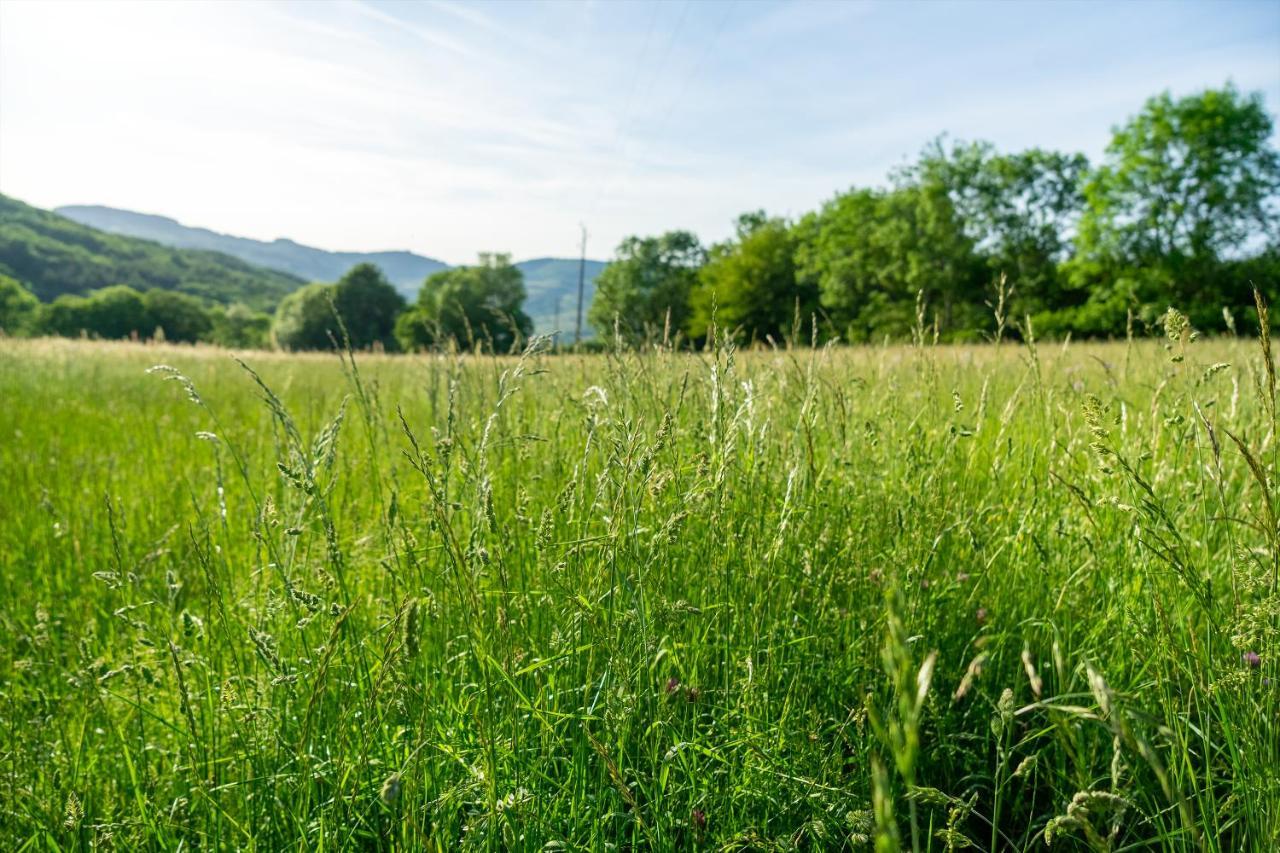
[[53, 256], [552, 283], [406, 270]]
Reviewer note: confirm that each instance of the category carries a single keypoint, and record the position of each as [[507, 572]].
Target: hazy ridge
[[552, 283]]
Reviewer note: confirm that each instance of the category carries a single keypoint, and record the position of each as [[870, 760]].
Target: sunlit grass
[[657, 601]]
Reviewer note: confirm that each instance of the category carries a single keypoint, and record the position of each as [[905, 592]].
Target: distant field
[[657, 601]]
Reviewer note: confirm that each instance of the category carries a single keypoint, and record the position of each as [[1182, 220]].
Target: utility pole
[[582, 280]]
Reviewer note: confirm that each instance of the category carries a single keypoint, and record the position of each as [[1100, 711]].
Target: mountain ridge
[[551, 283], [55, 255], [282, 253]]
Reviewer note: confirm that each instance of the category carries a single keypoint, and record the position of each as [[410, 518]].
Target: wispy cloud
[[450, 128]]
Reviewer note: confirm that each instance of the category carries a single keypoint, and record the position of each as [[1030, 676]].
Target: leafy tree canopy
[[111, 312], [368, 305], [1020, 210], [1187, 184], [646, 288], [240, 327], [178, 316], [749, 284], [480, 305], [305, 319], [870, 253], [18, 307]]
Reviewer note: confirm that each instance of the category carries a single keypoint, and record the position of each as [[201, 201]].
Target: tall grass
[[921, 597]]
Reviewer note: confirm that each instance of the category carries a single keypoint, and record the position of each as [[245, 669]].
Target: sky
[[453, 128]]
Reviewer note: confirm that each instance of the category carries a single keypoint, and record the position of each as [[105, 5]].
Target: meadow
[[924, 597]]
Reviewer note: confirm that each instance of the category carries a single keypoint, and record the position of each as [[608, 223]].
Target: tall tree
[[305, 319], [1187, 183], [1020, 210], [475, 306], [368, 305], [750, 284], [111, 312], [18, 307], [870, 252], [179, 316], [240, 327], [645, 288]]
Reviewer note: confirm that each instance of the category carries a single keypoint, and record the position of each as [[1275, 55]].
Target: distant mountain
[[54, 255], [552, 283], [404, 269]]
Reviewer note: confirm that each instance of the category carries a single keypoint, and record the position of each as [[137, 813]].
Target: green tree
[[1187, 184], [646, 287], [1020, 210], [480, 305], [305, 319], [67, 316], [119, 312], [179, 316], [368, 305], [870, 252], [417, 327], [240, 327], [112, 312], [750, 283], [18, 307]]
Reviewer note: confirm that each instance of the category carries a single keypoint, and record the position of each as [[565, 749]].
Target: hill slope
[[54, 255], [404, 269], [552, 283]]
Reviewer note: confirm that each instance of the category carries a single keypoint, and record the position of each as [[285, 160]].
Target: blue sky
[[450, 128]]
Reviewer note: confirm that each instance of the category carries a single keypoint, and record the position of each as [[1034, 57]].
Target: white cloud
[[449, 128]]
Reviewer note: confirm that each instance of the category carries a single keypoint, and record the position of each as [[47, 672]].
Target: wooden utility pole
[[582, 281]]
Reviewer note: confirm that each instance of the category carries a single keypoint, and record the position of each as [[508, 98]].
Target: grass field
[[927, 597]]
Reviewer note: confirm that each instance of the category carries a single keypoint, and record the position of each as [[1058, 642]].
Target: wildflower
[[1252, 659], [962, 577], [699, 818], [673, 684], [981, 615], [692, 694]]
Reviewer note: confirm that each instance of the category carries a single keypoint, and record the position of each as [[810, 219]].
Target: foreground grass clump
[[920, 596]]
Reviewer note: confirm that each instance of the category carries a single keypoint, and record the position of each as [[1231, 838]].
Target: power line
[[693, 69]]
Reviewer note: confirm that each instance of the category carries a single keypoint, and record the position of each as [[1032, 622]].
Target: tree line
[[120, 312], [1181, 211], [973, 242], [472, 307]]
